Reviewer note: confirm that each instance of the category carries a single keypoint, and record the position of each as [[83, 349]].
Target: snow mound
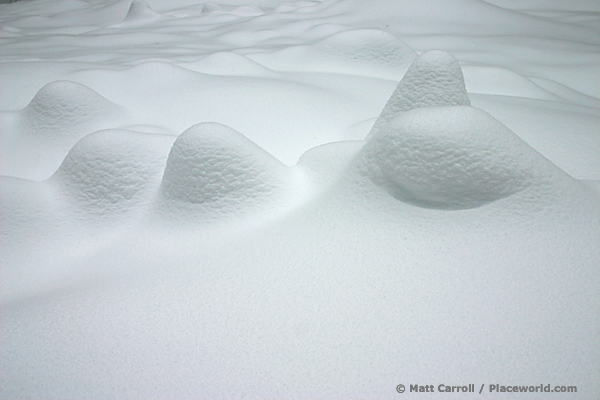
[[434, 79], [112, 171], [214, 170], [366, 46], [502, 82], [37, 138], [140, 13], [326, 163], [64, 107], [357, 52], [452, 158]]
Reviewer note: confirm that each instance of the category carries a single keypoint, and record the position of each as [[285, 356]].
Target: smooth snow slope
[[312, 200]]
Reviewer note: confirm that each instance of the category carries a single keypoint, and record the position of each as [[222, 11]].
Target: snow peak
[[443, 388]]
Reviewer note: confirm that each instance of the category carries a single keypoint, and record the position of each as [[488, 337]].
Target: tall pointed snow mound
[[454, 158], [140, 11], [434, 79], [215, 170]]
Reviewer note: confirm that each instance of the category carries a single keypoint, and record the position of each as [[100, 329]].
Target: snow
[[355, 52], [307, 199], [433, 79], [110, 171], [217, 170], [453, 158], [60, 114]]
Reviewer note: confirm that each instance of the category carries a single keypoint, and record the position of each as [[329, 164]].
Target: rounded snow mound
[[62, 105], [113, 170], [370, 46], [368, 52], [214, 169], [451, 158], [434, 79]]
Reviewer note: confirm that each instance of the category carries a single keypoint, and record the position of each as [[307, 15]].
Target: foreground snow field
[[312, 200]]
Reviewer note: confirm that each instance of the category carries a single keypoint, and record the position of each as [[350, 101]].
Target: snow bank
[[213, 170]]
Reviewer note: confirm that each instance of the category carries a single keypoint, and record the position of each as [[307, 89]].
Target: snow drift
[[171, 247], [37, 138]]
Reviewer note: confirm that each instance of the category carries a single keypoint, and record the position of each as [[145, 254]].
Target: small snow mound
[[451, 158], [368, 52], [110, 171], [434, 79], [63, 104], [140, 11], [367, 45], [213, 168]]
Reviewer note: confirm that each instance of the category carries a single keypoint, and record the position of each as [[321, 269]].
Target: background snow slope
[[194, 203]]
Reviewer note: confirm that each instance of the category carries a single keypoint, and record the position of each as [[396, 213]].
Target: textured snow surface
[[453, 158], [434, 79], [217, 170], [298, 200], [36, 139]]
